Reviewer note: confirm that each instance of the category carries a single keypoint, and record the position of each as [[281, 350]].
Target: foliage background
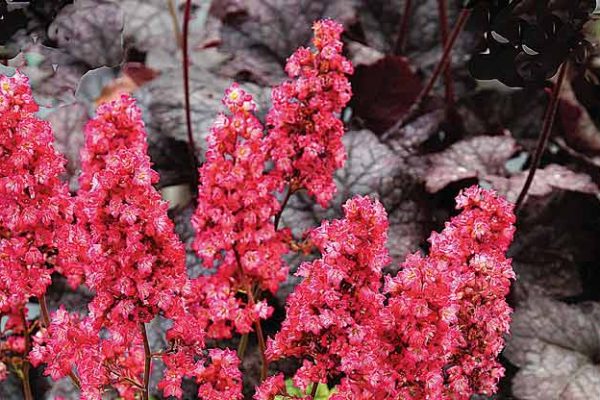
[[80, 53]]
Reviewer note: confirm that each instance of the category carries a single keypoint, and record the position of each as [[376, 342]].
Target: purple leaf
[[262, 34], [556, 346], [545, 182], [476, 157], [384, 92], [90, 31]]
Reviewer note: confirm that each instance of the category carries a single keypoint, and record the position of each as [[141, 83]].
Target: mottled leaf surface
[[556, 346], [476, 157], [90, 31], [546, 180], [262, 34], [163, 99], [68, 124]]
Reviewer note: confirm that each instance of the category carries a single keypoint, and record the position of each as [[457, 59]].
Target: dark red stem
[[288, 195], [404, 24], [264, 368], [549, 117], [444, 32], [26, 384], [147, 362], [313, 392], [439, 68], [186, 78]]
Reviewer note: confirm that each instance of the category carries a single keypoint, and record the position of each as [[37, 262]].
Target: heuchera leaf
[[68, 122], [149, 24], [555, 252], [262, 33], [384, 91], [546, 180], [556, 346], [476, 157], [164, 100], [91, 31], [371, 168]]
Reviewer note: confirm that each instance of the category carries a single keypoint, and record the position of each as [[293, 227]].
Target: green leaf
[[323, 392]]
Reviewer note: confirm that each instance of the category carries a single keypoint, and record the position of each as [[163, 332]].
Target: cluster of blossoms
[[304, 126], [433, 331], [329, 313], [135, 264], [237, 206], [236, 201], [73, 341], [35, 216], [474, 245], [35, 206]]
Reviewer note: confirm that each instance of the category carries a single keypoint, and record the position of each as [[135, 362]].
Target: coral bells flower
[[418, 322], [136, 262], [218, 375], [271, 387], [474, 244], [305, 130], [330, 313], [438, 331], [70, 341], [236, 204], [35, 206]]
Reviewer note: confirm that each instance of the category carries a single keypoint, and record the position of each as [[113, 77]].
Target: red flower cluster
[[35, 206], [434, 331], [439, 328], [234, 224], [136, 263], [474, 245], [329, 315], [70, 341], [217, 375], [305, 130], [36, 214], [236, 201]]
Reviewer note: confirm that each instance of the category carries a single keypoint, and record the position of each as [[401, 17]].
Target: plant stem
[[261, 340], [44, 311], [242, 346], [288, 195], [147, 361], [549, 117], [45, 316], [439, 68], [26, 384], [186, 81], [444, 32], [262, 348], [175, 22], [401, 41], [313, 392]]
